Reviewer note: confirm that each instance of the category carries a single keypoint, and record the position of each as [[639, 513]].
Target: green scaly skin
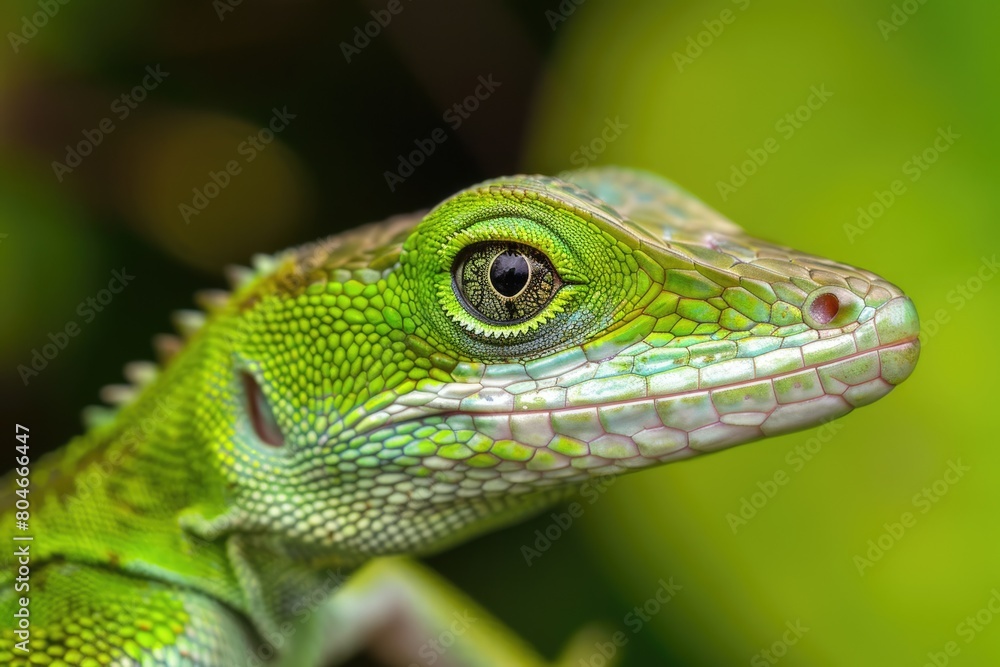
[[651, 330]]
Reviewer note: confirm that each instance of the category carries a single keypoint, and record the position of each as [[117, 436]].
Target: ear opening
[[261, 416]]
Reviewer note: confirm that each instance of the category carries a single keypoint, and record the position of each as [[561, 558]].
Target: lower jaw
[[641, 433], [541, 448]]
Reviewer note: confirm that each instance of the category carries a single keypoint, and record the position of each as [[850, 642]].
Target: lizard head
[[407, 385]]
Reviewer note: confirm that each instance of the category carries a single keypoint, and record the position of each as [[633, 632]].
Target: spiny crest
[[187, 322], [239, 276], [350, 250], [375, 246], [139, 374], [212, 300], [264, 263], [166, 346]]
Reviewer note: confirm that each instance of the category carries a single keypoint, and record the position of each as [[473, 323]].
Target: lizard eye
[[261, 416], [502, 282]]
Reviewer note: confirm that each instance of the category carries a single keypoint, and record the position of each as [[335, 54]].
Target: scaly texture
[[406, 385]]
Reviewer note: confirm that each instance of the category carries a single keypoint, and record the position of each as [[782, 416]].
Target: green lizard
[[410, 384]]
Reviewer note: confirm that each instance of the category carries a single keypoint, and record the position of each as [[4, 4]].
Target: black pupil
[[509, 273]]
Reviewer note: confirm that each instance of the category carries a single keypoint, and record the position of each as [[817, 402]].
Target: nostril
[[824, 308]]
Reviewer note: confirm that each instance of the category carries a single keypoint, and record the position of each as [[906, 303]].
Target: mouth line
[[908, 341]]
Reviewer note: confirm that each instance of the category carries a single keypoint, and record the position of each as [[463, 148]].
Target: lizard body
[[406, 385]]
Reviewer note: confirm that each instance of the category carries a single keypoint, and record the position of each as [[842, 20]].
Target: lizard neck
[[114, 496]]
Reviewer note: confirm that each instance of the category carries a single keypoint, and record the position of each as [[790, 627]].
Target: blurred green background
[[878, 109]]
